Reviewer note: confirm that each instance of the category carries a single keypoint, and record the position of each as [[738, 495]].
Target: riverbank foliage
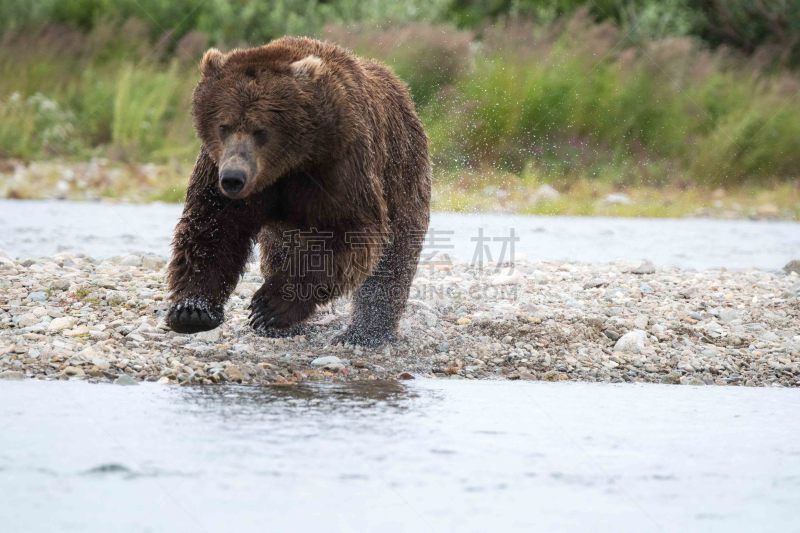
[[620, 92]]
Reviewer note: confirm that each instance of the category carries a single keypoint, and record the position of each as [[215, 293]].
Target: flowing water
[[39, 228], [418, 456]]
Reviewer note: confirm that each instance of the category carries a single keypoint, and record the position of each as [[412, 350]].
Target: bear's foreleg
[[209, 251]]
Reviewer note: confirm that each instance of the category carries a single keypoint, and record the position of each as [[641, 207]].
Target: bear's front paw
[[270, 313], [367, 339], [193, 316]]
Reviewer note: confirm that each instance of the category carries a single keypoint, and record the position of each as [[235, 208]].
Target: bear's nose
[[232, 180]]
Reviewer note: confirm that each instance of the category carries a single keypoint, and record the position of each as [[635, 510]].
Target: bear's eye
[[224, 130], [260, 136]]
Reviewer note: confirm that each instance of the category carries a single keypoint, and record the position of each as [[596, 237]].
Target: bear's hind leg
[[379, 303]]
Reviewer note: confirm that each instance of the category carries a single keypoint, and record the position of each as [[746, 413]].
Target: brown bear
[[319, 157]]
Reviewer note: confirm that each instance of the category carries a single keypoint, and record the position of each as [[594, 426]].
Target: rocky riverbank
[[72, 317]]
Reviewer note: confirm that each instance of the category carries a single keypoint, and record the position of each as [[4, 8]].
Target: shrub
[[427, 57]]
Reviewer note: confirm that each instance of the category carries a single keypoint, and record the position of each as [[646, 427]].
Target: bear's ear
[[212, 62], [308, 68]]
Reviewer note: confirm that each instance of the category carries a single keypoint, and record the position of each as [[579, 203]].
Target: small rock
[[632, 342], [73, 371], [130, 260], [12, 375], [125, 379], [595, 283], [405, 376], [645, 268], [714, 330], [37, 296], [326, 361], [59, 284], [792, 267], [729, 315], [544, 193], [28, 319], [77, 332], [234, 373], [61, 323], [618, 198], [611, 334]]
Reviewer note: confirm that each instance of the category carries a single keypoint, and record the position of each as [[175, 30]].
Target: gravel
[[71, 317]]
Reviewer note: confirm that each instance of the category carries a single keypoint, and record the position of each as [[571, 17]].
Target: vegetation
[[521, 92]]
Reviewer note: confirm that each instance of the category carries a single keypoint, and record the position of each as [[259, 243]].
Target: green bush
[[429, 58]]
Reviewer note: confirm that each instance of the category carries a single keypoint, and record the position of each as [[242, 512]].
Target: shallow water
[[40, 228], [422, 455]]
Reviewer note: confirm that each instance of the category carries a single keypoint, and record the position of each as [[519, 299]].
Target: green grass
[[562, 103]]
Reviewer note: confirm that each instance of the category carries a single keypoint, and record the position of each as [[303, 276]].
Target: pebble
[[632, 342], [234, 373], [792, 267], [617, 198], [326, 360], [28, 319], [76, 332], [61, 323], [73, 371], [131, 260], [37, 296], [125, 379], [60, 285], [645, 268]]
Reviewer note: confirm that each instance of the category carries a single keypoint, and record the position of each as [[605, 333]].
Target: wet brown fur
[[345, 152]]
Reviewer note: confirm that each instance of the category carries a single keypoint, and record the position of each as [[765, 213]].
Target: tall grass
[[567, 100], [576, 102]]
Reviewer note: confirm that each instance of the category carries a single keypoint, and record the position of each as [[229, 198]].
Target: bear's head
[[258, 114]]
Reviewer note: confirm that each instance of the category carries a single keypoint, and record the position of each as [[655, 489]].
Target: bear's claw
[[270, 314], [189, 317]]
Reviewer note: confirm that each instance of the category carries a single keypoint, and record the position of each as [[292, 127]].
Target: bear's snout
[[232, 181]]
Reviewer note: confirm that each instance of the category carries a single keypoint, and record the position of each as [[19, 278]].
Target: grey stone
[[61, 323], [632, 342], [645, 268], [125, 379], [326, 361], [37, 296], [792, 266], [60, 284], [130, 260]]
